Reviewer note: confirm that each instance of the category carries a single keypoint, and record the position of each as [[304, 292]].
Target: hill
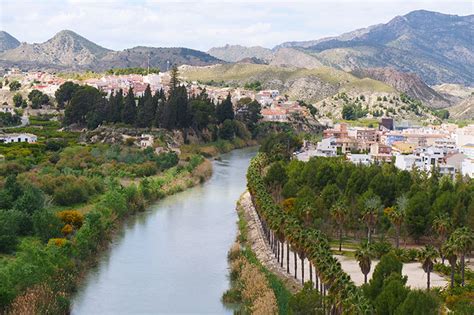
[[298, 83], [408, 83], [7, 41], [70, 51], [234, 53], [438, 47]]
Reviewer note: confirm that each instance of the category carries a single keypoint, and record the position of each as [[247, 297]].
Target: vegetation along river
[[172, 258]]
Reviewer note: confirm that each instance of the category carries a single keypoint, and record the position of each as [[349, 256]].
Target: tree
[[249, 113], [396, 215], [46, 224], [38, 98], [174, 81], [18, 100], [417, 214], [426, 256], [389, 263], [14, 85], [87, 106], [339, 215], [8, 232], [129, 111], [31, 200], [450, 253], [393, 294], [441, 225], [225, 110], [65, 92], [146, 110], [418, 302], [275, 178], [307, 301], [227, 131], [364, 256], [462, 239], [370, 215]]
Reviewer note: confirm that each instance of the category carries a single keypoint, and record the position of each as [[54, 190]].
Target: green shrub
[[46, 225], [419, 302]]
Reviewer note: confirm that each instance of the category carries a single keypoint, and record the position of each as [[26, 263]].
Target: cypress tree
[[225, 110], [129, 108]]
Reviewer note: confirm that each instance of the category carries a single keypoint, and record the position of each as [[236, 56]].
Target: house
[[7, 109], [274, 114], [326, 147], [408, 162], [467, 167], [17, 137], [363, 159]]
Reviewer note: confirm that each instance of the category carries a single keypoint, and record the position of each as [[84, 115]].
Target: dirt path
[[416, 275]]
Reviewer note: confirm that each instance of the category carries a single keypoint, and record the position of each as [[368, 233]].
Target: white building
[[364, 159], [18, 137], [326, 147], [7, 109], [408, 162], [468, 149], [467, 167]]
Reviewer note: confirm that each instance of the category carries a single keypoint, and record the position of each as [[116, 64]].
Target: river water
[[172, 259]]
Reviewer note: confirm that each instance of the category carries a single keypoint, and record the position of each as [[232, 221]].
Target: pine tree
[[129, 108], [146, 109], [174, 82], [160, 100], [225, 110]]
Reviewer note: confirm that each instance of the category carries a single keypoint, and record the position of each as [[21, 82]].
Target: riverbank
[[250, 254], [170, 253], [59, 267]]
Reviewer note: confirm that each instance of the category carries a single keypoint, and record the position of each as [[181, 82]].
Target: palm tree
[[449, 251], [462, 239], [364, 255], [372, 207], [427, 256], [339, 215], [396, 215], [441, 225]]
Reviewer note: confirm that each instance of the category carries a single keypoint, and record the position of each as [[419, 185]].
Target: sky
[[204, 24]]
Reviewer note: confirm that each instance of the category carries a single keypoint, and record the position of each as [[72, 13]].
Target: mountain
[[234, 53], [7, 41], [66, 48], [438, 47], [70, 51], [162, 58], [409, 83]]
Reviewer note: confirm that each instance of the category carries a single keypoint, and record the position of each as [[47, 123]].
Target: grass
[[282, 294]]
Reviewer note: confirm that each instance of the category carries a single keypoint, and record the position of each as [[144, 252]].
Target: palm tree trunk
[[296, 263], [310, 273], [302, 269], [398, 237], [365, 278], [452, 276], [428, 280], [282, 253], [287, 257], [340, 238], [368, 234], [277, 245], [462, 269], [317, 281]]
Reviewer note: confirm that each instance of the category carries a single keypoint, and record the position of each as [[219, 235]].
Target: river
[[173, 257]]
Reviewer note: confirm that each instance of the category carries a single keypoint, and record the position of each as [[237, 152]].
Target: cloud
[[203, 24]]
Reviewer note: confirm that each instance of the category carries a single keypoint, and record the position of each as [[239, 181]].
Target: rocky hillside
[[464, 109], [70, 51], [234, 53], [299, 84], [438, 47], [409, 83], [7, 41], [66, 48]]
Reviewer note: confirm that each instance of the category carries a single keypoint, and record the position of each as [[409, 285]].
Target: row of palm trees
[[280, 228], [459, 244]]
